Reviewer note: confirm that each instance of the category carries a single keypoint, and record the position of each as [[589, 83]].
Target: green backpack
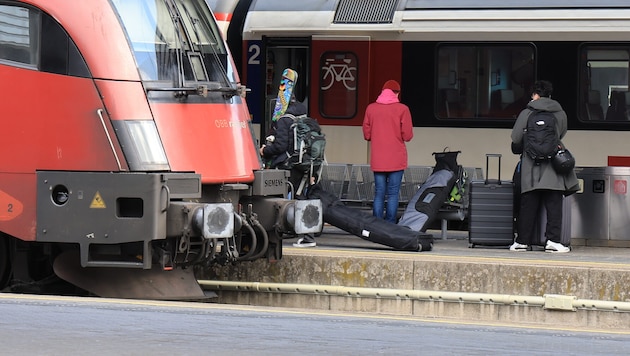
[[309, 144]]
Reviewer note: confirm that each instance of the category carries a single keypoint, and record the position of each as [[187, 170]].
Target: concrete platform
[[588, 287]]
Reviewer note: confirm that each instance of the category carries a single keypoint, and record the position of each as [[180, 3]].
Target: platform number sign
[[255, 80]]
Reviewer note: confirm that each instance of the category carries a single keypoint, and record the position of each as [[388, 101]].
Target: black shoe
[[425, 242]]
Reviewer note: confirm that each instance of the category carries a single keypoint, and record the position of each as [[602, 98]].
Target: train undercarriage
[[99, 252]]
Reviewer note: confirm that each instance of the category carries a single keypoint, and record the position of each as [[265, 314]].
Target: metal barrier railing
[[547, 301]]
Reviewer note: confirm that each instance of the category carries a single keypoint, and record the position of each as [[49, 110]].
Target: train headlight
[[305, 216], [142, 146], [216, 220]]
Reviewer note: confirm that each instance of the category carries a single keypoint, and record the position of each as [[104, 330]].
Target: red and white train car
[[465, 67]]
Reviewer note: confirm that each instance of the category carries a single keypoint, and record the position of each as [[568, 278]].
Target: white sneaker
[[305, 242], [556, 247], [518, 247]]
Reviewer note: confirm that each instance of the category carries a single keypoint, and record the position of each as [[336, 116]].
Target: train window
[[59, 54], [174, 41], [30, 37], [19, 27], [604, 83], [338, 85], [482, 80]]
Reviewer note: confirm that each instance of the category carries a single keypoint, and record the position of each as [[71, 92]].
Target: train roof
[[442, 20]]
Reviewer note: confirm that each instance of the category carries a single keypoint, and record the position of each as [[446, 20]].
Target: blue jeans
[[386, 184]]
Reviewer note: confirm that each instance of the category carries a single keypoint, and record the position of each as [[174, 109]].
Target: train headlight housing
[[142, 145], [215, 220], [305, 216]]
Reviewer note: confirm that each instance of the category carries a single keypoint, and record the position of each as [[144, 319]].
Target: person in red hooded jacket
[[387, 126]]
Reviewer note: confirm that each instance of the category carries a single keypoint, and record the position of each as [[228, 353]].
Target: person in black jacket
[[540, 183], [279, 143], [278, 148]]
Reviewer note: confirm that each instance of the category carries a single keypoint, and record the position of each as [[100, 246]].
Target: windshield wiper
[[197, 31], [202, 90]]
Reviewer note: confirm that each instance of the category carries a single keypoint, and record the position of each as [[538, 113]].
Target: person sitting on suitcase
[[541, 185]]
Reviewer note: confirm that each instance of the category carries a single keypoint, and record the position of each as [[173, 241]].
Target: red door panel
[[347, 74]]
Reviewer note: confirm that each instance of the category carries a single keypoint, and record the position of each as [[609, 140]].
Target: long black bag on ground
[[367, 226]]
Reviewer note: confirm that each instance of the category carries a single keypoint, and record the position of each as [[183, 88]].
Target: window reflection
[[604, 94], [18, 34], [174, 42], [478, 80]]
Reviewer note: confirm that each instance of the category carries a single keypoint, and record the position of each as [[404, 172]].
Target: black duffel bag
[[563, 161]]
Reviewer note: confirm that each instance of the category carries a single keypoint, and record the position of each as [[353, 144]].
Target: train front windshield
[[176, 43]]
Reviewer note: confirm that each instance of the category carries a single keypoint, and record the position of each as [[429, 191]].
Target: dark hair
[[543, 88]]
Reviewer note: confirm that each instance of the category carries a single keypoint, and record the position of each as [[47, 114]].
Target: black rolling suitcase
[[491, 216]]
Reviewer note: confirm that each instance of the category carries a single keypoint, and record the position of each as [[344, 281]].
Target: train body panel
[[454, 20], [223, 10], [96, 31], [131, 144], [63, 131], [18, 214], [124, 100], [68, 134], [225, 154]]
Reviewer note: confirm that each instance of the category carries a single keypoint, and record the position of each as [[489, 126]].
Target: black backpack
[[540, 138], [309, 144]]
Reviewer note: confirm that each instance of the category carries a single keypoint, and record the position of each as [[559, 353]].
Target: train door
[[281, 54], [341, 79]]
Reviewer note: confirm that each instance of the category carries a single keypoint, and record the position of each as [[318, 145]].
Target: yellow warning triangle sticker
[[97, 202]]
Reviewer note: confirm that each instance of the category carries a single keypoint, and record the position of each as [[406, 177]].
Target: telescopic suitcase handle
[[497, 155]]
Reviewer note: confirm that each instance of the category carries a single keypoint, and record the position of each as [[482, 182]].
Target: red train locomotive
[[128, 148]]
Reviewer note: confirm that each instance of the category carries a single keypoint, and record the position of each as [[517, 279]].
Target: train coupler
[[223, 251], [166, 261]]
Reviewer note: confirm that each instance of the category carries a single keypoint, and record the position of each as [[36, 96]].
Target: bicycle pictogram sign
[[334, 72]]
